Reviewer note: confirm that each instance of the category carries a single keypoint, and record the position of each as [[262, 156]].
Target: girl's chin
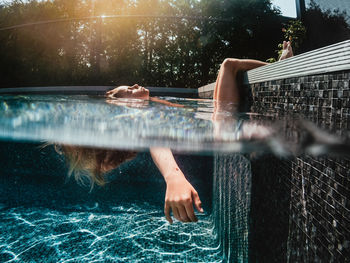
[[141, 97], [145, 95]]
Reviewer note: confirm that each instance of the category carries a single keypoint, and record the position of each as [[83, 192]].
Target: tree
[[89, 49], [333, 25]]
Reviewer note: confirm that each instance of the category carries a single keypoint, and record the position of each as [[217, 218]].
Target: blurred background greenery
[[156, 43]]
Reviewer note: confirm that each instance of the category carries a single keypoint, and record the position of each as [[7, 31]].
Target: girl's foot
[[287, 50]]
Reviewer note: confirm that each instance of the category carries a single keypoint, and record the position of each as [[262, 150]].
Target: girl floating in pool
[[180, 197]]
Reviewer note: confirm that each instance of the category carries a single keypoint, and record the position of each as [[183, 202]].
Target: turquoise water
[[136, 124], [129, 232], [131, 124], [44, 218]]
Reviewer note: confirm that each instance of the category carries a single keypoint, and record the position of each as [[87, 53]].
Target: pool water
[[137, 124], [129, 228], [46, 218], [129, 124]]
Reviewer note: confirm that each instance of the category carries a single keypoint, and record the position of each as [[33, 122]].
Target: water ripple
[[138, 233]]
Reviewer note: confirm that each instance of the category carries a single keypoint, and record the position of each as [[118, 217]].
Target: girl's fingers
[[167, 213], [190, 212], [197, 201], [176, 213], [183, 214]]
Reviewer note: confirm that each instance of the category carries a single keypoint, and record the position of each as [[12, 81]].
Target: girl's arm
[[165, 102], [180, 195]]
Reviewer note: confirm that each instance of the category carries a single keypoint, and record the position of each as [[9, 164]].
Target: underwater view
[[175, 131], [127, 227], [47, 217]]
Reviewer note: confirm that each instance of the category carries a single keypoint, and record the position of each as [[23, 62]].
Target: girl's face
[[134, 92]]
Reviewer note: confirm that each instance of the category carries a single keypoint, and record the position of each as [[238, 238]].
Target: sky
[[287, 6]]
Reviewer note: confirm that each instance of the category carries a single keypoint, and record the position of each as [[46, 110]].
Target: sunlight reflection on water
[[136, 233]]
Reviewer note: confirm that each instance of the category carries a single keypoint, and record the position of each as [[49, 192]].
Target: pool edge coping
[[332, 58]]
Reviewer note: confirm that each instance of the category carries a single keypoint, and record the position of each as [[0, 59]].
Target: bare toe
[[287, 51], [285, 44]]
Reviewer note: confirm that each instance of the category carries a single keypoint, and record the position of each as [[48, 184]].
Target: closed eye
[[134, 87]]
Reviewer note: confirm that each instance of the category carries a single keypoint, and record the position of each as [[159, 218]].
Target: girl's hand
[[180, 195], [180, 198]]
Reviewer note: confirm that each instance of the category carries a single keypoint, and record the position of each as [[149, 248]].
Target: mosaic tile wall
[[231, 205], [320, 210], [323, 99], [316, 189], [269, 212]]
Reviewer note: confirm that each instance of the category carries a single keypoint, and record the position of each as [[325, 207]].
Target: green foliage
[[324, 27], [294, 32], [271, 60], [150, 51]]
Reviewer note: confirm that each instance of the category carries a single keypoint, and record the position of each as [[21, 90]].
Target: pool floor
[[123, 229]]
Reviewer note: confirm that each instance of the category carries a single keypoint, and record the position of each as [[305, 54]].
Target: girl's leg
[[226, 87]]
